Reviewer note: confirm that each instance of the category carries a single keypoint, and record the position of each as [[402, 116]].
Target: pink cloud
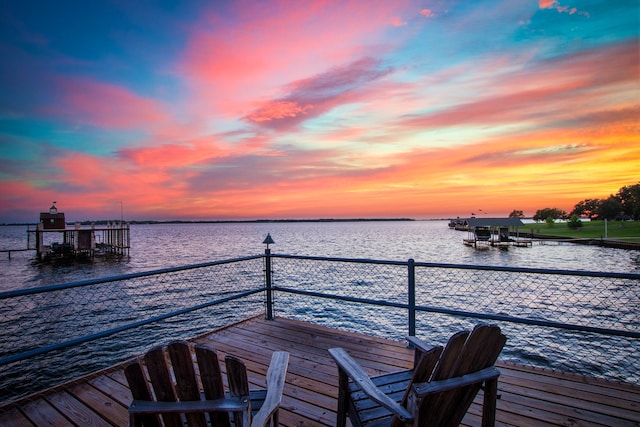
[[107, 105], [168, 155], [396, 21], [91, 182], [313, 96], [228, 66], [553, 89], [427, 12]]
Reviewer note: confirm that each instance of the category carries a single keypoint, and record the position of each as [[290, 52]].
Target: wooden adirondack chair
[[176, 389], [437, 392]]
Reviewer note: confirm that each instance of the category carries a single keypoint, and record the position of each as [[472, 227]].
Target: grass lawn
[[629, 231]]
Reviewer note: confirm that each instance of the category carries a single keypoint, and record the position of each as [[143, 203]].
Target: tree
[[587, 207], [574, 222], [629, 197], [610, 208], [546, 213], [516, 214]]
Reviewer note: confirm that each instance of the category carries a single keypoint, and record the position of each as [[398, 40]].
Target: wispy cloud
[[555, 4], [315, 96], [106, 105]]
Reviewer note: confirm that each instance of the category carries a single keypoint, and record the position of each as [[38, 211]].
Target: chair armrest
[[420, 347], [275, 386], [219, 405], [419, 344], [423, 389], [351, 368]]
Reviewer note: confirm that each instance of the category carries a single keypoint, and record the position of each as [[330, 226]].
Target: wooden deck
[[528, 396]]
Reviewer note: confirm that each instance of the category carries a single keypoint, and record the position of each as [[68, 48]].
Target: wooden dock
[[528, 396]]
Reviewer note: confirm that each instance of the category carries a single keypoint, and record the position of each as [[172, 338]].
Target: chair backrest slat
[[238, 384], [212, 384], [140, 391], [186, 382], [162, 385], [450, 357]]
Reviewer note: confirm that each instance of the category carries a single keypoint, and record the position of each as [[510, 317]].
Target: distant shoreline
[[247, 221]]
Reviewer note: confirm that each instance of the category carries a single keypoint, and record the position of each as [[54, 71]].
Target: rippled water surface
[[167, 245], [162, 245]]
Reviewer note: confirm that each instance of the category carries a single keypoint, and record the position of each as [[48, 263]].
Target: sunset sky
[[231, 110]]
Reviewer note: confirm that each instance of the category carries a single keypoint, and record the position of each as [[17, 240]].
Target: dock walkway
[[528, 396]]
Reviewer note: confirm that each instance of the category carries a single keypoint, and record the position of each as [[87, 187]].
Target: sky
[[241, 110]]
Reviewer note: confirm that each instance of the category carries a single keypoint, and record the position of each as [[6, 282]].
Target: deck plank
[[529, 396], [14, 418], [117, 391], [101, 403], [67, 404], [41, 413]]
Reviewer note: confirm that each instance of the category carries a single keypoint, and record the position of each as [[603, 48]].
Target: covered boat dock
[[498, 232]]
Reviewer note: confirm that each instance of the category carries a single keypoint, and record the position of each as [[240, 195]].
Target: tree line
[[624, 205]]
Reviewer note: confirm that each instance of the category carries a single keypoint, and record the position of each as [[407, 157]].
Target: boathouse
[[500, 232], [52, 220], [53, 240]]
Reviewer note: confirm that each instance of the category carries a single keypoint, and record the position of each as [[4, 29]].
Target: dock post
[[39, 241], [267, 272], [412, 296], [267, 277]]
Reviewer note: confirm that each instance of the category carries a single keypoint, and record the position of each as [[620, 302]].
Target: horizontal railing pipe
[[462, 313], [87, 338], [89, 282]]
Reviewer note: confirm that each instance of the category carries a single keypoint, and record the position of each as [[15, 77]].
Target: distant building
[[52, 220]]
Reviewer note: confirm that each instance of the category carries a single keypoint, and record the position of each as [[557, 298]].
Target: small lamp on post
[[267, 274], [268, 240]]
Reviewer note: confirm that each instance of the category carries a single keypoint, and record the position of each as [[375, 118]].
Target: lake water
[[156, 246]]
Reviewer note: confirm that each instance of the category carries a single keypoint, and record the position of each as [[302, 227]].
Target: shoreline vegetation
[[610, 234], [628, 231]]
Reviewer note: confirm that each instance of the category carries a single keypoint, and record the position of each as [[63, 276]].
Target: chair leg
[[489, 403], [343, 398]]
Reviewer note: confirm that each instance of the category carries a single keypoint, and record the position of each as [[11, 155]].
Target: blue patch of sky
[[594, 23], [126, 43], [83, 139]]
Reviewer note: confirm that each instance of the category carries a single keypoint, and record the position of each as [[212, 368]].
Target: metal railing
[[574, 321]]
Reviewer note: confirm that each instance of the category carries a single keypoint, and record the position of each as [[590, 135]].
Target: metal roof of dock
[[495, 222]]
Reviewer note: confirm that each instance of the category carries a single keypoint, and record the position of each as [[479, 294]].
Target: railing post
[[412, 296], [267, 273]]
